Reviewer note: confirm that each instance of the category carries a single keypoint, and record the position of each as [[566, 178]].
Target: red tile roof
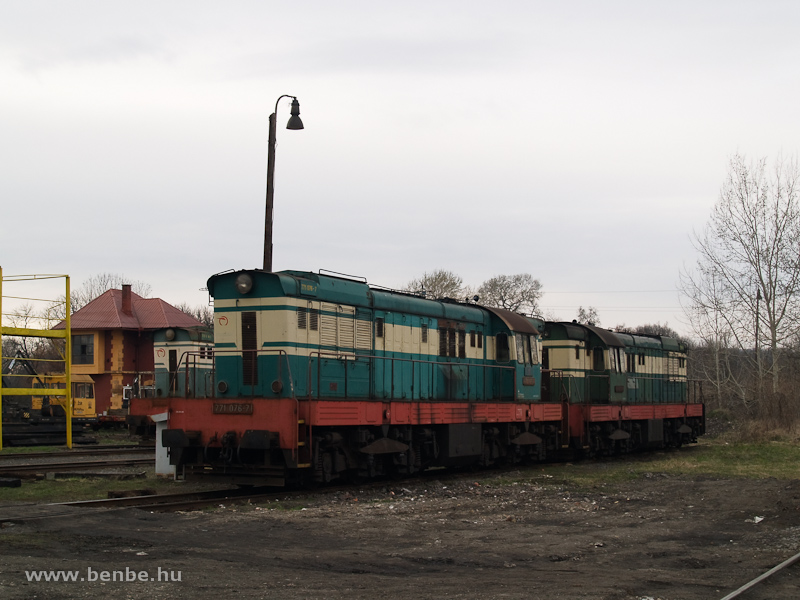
[[105, 312]]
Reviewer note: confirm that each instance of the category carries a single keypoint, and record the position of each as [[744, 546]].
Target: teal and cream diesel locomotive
[[320, 376]]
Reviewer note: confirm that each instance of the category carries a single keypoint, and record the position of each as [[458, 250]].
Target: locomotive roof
[[636, 340], [342, 290], [580, 331], [608, 337], [516, 322]]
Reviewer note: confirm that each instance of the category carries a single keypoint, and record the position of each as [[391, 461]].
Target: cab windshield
[[527, 349]]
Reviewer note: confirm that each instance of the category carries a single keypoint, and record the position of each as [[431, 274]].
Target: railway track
[[181, 501], [28, 470], [194, 500], [24, 513], [97, 451], [82, 452]]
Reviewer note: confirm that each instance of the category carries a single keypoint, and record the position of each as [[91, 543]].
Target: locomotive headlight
[[244, 283]]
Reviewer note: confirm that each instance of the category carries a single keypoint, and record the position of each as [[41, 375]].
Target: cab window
[[527, 351], [598, 362], [621, 356], [502, 351]]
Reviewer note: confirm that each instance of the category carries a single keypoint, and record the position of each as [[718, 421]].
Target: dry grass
[[714, 458], [88, 488], [726, 427]]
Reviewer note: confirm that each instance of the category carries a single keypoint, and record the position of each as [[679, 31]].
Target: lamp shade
[[294, 120]]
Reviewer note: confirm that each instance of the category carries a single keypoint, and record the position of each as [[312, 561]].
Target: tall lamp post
[[294, 123]]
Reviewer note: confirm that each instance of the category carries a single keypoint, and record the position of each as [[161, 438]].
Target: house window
[[83, 349]]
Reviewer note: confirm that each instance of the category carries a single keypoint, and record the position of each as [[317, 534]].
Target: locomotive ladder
[[303, 446]]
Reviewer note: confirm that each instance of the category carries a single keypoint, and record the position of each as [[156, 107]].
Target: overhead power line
[[546, 291]]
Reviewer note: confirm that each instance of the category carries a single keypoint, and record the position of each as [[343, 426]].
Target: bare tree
[[201, 312], [744, 289], [23, 317], [550, 315], [102, 282], [93, 287], [588, 316], [519, 293], [45, 355], [438, 284], [657, 329], [713, 362]]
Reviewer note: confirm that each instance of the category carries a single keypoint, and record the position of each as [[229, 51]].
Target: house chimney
[[127, 304]]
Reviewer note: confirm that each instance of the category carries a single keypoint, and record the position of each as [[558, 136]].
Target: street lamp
[[294, 123]]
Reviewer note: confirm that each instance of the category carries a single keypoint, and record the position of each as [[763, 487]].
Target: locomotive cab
[[517, 343], [586, 364]]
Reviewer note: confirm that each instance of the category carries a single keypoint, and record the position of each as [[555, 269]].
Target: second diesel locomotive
[[318, 377]]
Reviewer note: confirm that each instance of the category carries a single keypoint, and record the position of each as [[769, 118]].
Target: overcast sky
[[581, 142]]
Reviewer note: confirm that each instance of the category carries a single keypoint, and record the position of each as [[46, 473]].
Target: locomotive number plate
[[233, 408]]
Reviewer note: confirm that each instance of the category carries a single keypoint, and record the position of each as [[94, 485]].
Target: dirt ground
[[519, 534]]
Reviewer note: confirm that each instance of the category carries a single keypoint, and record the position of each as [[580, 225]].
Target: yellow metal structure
[[65, 334]]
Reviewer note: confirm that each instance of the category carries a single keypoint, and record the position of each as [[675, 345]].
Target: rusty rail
[[762, 577]]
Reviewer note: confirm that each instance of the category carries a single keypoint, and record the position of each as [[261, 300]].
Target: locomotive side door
[[528, 368], [359, 369], [504, 378], [383, 332], [617, 379]]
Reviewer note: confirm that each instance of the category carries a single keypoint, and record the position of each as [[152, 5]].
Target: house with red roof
[[113, 342]]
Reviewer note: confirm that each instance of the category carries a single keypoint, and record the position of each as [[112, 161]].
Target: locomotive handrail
[[392, 360], [212, 373], [580, 389], [173, 375], [666, 387], [560, 375], [189, 364], [254, 367]]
